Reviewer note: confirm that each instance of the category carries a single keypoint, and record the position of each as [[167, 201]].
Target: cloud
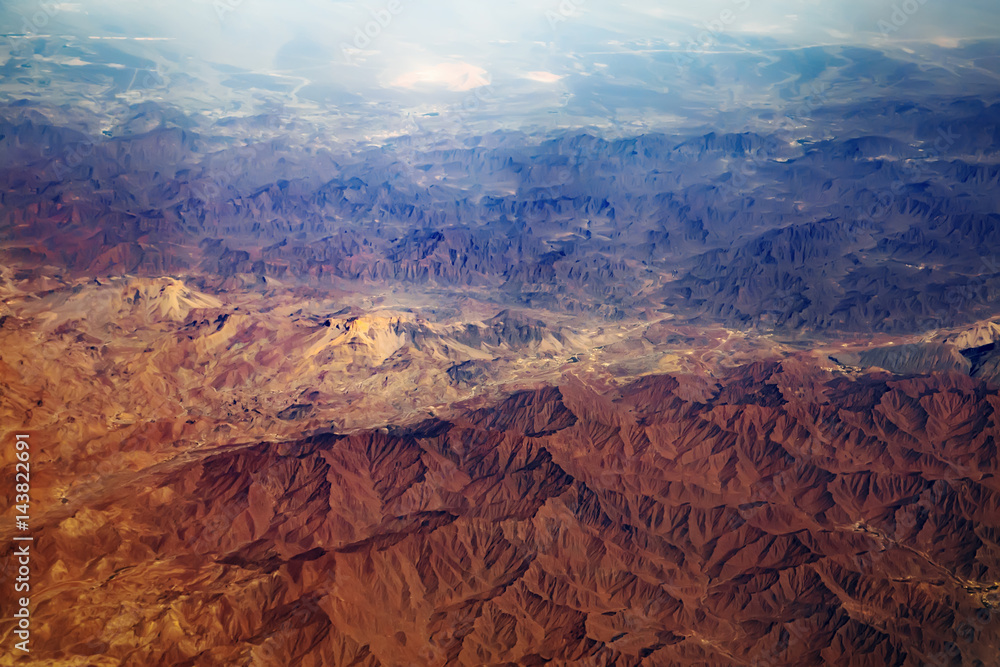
[[453, 76], [543, 77]]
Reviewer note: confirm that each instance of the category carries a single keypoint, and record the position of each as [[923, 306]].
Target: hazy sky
[[606, 60], [268, 34]]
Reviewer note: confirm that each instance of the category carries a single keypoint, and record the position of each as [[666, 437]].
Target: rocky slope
[[779, 516], [888, 227]]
